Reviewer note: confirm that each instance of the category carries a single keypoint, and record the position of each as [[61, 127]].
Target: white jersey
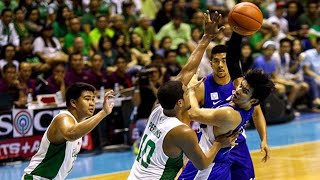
[[53, 161], [152, 162]]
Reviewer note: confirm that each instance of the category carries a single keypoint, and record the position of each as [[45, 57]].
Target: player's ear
[[254, 101], [73, 103], [180, 103]]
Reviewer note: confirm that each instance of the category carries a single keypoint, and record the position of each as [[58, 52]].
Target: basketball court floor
[[294, 156]]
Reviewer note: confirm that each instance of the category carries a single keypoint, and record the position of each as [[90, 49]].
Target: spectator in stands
[[26, 82], [314, 33], [76, 71], [121, 76], [61, 23], [25, 54], [11, 85], [259, 38], [101, 29], [294, 10], [197, 21], [56, 81], [139, 55], [311, 17], [246, 57], [107, 53], [33, 22], [266, 63], [279, 17], [183, 54], [7, 56], [311, 67], [75, 31], [165, 45], [164, 15], [171, 64], [130, 18], [146, 32], [97, 74], [89, 19], [20, 23], [119, 44], [194, 14], [277, 34], [295, 88], [8, 33], [48, 47], [178, 31], [118, 26]]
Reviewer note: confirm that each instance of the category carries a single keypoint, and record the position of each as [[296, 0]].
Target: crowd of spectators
[[46, 45]]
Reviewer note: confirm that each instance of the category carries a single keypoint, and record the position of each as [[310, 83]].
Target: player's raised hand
[[211, 24], [227, 140], [107, 103]]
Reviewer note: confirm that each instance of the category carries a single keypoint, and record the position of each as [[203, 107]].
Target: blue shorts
[[237, 166], [241, 162], [216, 171]]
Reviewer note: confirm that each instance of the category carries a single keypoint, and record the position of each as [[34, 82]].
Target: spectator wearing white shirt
[[8, 33]]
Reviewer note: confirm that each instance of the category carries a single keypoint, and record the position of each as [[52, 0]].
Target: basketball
[[245, 18]]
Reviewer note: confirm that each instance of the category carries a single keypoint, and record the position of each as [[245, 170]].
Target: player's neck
[[75, 115], [170, 112], [244, 106], [221, 81]]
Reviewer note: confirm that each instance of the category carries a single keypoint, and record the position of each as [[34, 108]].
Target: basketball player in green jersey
[[62, 140]]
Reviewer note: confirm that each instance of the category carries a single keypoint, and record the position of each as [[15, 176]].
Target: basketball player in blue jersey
[[252, 89], [217, 90]]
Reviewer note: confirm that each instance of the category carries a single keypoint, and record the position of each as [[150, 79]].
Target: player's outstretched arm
[[71, 131], [211, 30], [233, 58], [186, 139], [260, 124]]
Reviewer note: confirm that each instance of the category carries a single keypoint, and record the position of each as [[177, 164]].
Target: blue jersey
[[222, 157], [245, 117], [216, 94]]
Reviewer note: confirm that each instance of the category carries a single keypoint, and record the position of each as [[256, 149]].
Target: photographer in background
[[145, 95]]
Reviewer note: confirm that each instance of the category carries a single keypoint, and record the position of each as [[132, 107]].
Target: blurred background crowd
[[136, 45]]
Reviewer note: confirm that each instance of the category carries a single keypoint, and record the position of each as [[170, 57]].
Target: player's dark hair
[[219, 49], [261, 84], [75, 91], [169, 93]]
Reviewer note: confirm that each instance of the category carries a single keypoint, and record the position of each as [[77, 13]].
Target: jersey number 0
[[146, 151]]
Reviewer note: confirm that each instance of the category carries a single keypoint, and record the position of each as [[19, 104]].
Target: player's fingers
[[209, 16], [216, 17]]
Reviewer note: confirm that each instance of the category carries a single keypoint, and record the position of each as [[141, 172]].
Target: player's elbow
[[70, 136]]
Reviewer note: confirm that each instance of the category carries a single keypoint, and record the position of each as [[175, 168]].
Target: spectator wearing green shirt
[[146, 32], [19, 23], [314, 33], [258, 39], [60, 28], [75, 31], [101, 29], [311, 17], [178, 31], [88, 20]]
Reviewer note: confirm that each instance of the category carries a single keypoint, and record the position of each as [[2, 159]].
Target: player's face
[[243, 93], [219, 65], [85, 104]]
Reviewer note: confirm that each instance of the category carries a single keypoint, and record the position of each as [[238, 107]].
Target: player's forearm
[[211, 154], [233, 56], [86, 126], [260, 123]]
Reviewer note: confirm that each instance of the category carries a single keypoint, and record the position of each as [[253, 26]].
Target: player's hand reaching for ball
[[108, 102], [211, 24]]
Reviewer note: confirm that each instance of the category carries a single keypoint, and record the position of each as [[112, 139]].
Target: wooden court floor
[[293, 162]]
